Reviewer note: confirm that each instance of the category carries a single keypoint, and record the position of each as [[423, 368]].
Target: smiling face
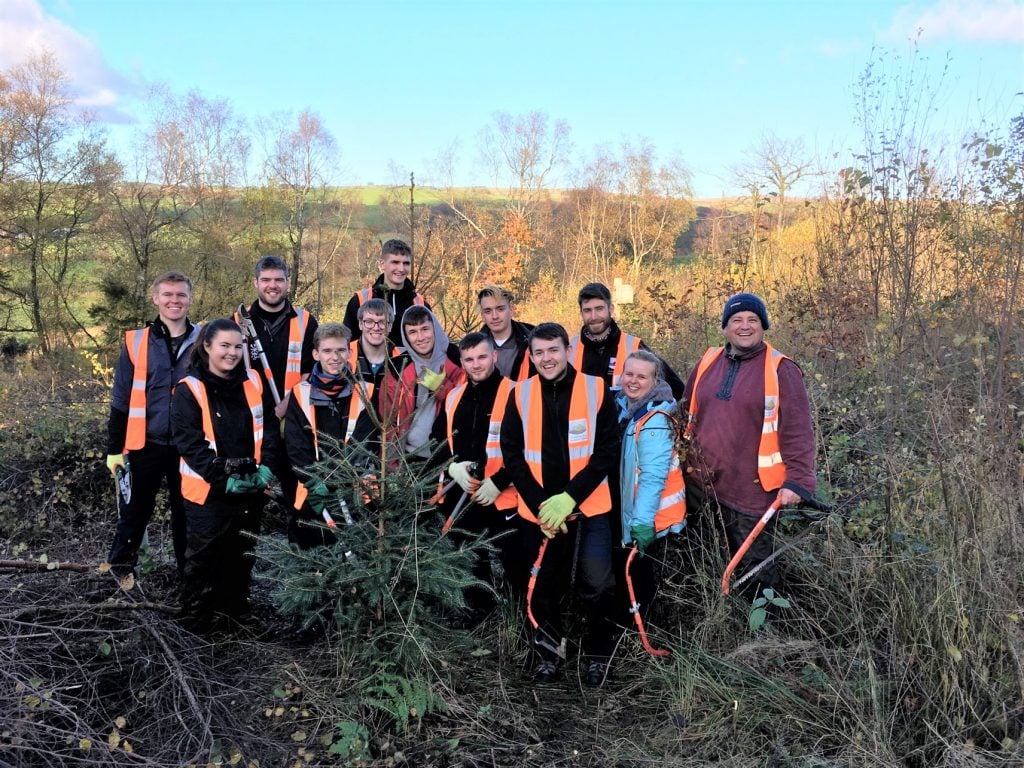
[[396, 268], [421, 338], [374, 329], [638, 379], [497, 316], [332, 353], [225, 352], [479, 361], [550, 357], [743, 331], [597, 315], [172, 300], [272, 289]]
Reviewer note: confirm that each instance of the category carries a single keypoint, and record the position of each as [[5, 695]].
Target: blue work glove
[[239, 486], [642, 536], [317, 495], [554, 512]]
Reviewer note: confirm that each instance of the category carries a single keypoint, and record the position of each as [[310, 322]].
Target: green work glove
[[431, 379], [459, 472], [554, 512], [242, 485], [642, 536], [114, 461], [264, 476], [316, 495], [487, 493]]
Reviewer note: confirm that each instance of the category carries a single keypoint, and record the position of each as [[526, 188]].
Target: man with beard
[[393, 285], [601, 348], [511, 338], [286, 336]]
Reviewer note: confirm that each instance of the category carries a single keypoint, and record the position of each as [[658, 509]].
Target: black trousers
[[218, 561], [150, 466], [594, 584]]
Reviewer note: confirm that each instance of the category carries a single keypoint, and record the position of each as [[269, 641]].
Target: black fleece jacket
[[597, 357], [399, 301], [555, 446]]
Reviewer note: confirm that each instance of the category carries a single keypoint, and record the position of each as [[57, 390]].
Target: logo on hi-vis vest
[[577, 429], [769, 406]]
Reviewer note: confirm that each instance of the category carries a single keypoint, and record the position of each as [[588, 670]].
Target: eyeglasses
[[372, 323]]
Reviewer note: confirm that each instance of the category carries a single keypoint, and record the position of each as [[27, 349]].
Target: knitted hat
[[745, 302]]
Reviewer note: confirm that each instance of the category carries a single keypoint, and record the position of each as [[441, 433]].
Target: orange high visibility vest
[[137, 344], [524, 366], [367, 293], [672, 508], [193, 487], [302, 394], [362, 392], [508, 498], [293, 360], [585, 401], [771, 470], [628, 343]]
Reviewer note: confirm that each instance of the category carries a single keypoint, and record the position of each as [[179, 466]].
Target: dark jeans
[[737, 527], [595, 584], [149, 467], [219, 563]]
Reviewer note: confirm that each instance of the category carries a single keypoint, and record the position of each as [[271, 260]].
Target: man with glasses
[[371, 355]]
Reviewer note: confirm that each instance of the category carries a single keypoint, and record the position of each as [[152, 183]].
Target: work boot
[[597, 672], [546, 671]]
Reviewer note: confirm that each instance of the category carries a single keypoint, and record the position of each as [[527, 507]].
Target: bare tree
[[776, 165], [57, 171]]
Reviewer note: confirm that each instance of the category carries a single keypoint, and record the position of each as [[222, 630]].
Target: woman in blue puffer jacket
[[652, 490]]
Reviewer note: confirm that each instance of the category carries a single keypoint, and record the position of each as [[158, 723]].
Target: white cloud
[[962, 20], [25, 28]]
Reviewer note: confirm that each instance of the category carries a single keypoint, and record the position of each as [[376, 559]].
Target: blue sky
[[397, 82]]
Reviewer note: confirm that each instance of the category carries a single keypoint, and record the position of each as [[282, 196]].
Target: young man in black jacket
[[511, 338], [560, 441], [153, 359], [393, 285]]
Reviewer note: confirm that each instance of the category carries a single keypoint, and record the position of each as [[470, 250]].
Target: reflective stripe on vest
[[672, 507], [524, 366], [193, 486], [293, 362], [137, 344], [302, 394], [366, 294], [363, 391], [584, 404], [628, 344], [771, 469], [508, 498]]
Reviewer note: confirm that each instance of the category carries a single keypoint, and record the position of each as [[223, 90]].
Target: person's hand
[[265, 476], [114, 461], [554, 512], [459, 472], [282, 408], [431, 379], [239, 486], [316, 495], [786, 497], [487, 493], [642, 535]]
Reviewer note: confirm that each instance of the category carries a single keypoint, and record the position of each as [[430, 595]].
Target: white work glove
[[459, 472], [487, 493]]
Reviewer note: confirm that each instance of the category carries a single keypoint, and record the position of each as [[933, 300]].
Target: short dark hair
[[396, 246], [200, 357], [473, 339], [416, 315], [376, 307], [268, 263], [495, 292], [594, 291], [549, 332]]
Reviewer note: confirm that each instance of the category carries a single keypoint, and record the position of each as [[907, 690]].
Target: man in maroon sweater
[[751, 438]]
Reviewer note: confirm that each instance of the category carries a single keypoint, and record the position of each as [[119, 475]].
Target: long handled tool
[[123, 480], [257, 345], [461, 507], [634, 608], [746, 545]]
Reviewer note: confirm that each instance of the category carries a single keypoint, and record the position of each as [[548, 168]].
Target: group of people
[[569, 447]]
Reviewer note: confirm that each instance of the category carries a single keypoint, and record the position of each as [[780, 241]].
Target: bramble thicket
[[896, 284]]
